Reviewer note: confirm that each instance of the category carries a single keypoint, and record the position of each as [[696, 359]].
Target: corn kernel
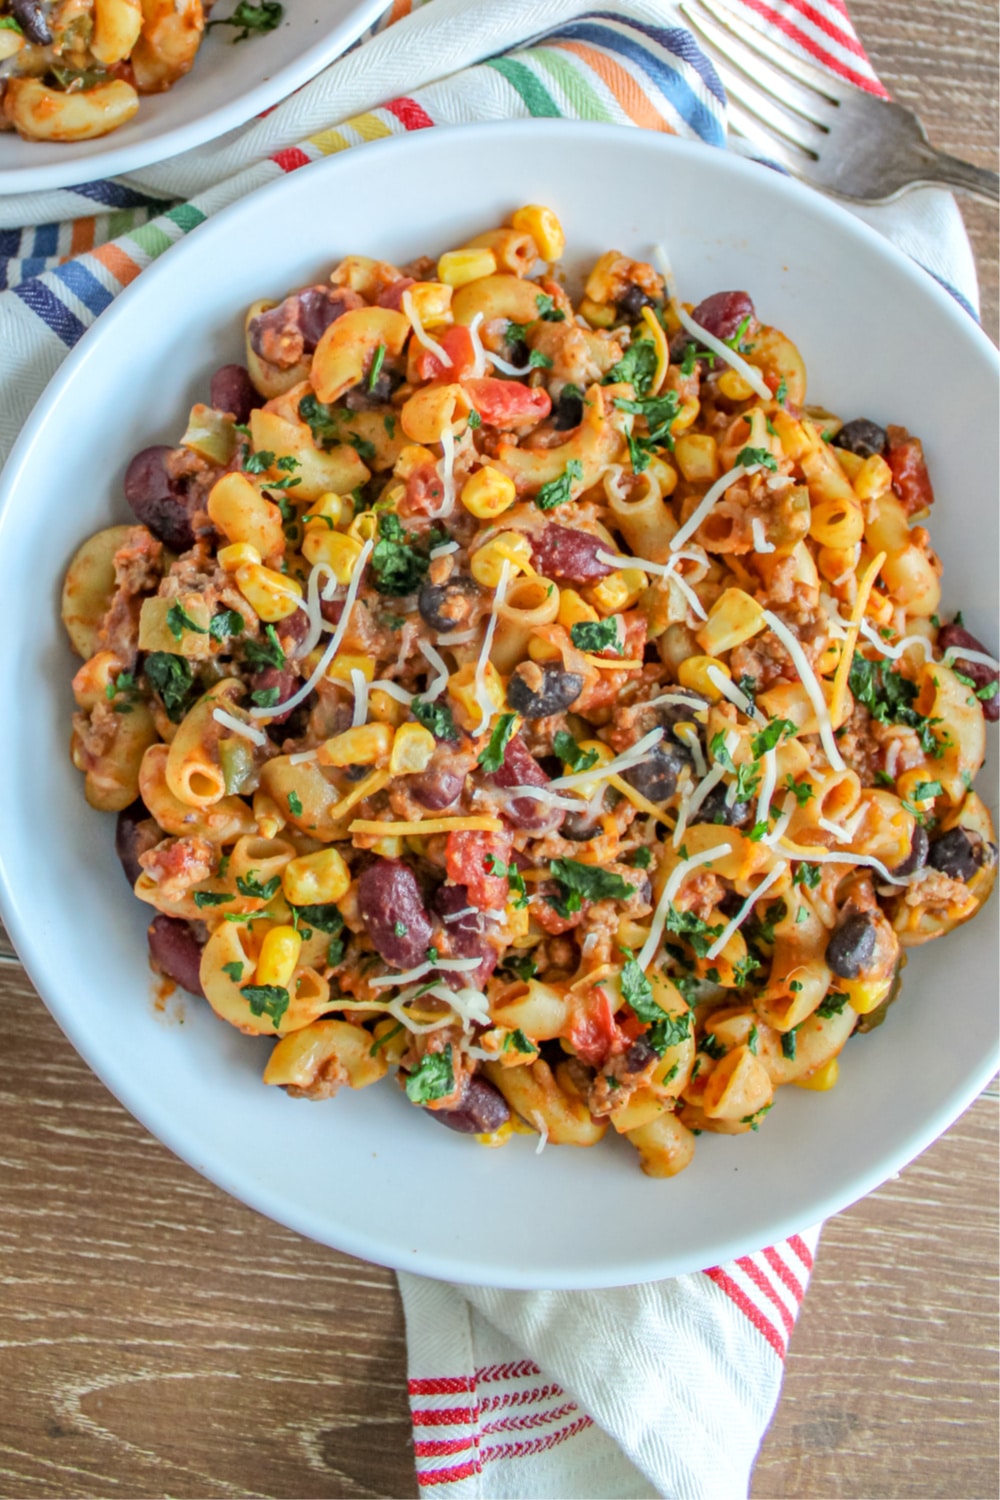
[[693, 674], [364, 526], [328, 508], [279, 954], [316, 879], [540, 649], [544, 228], [873, 479], [697, 457], [734, 618], [820, 1079], [364, 745], [462, 688], [516, 922], [236, 555], [411, 458], [385, 709], [597, 314], [488, 493], [273, 596], [734, 387], [851, 463], [459, 267], [664, 474], [573, 610], [344, 664], [510, 546], [604, 753], [411, 750], [389, 848], [339, 552], [686, 416], [431, 302], [865, 995], [618, 591]]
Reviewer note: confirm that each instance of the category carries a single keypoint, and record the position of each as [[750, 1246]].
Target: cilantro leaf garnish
[[265, 697], [294, 804], [172, 678], [252, 18], [380, 1042], [323, 421], [376, 368], [769, 737], [832, 1004], [226, 623], [749, 456], [659, 412], [437, 717], [559, 491], [923, 791], [249, 885], [585, 883], [539, 361], [888, 697], [788, 1044], [569, 752], [697, 931], [178, 620], [265, 653], [802, 790], [712, 1047], [637, 367], [517, 1041], [397, 568], [807, 875], [637, 990], [491, 759], [547, 309], [325, 917], [211, 898], [432, 1078], [596, 635], [270, 1000]]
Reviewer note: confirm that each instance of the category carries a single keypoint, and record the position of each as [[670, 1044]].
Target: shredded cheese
[[397, 1009], [628, 758], [442, 551], [644, 805], [760, 541], [676, 879], [334, 643], [839, 694], [729, 690], [543, 1132], [482, 700], [471, 1005], [391, 689], [724, 936], [420, 334], [245, 731], [456, 916], [689, 805], [778, 831], [612, 663], [440, 682], [811, 684], [372, 783], [844, 832], [457, 637], [688, 736], [388, 830], [768, 782], [542, 794], [962, 653], [410, 976], [825, 857], [302, 757], [359, 682], [750, 374], [709, 501], [316, 621], [684, 699], [479, 353], [446, 474], [895, 651]]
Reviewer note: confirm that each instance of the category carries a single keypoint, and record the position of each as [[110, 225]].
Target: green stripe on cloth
[[534, 93], [185, 216], [152, 239], [582, 98]]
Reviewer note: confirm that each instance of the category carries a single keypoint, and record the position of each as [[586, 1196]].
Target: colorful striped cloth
[[659, 1389]]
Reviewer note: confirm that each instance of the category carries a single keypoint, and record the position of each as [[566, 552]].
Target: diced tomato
[[507, 403], [469, 859], [594, 1032], [457, 344], [910, 478], [424, 492]]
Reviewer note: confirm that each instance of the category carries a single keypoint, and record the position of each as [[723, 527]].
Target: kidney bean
[[158, 501], [535, 692], [910, 479], [293, 630], [393, 912], [281, 678], [852, 947], [436, 788], [862, 436], [567, 412], [482, 1109], [639, 1056], [715, 810], [448, 606], [632, 302], [956, 853], [392, 295], [176, 952], [723, 312], [135, 833], [31, 17], [656, 777], [982, 675], [562, 552], [467, 935], [520, 768], [917, 857], [232, 390], [285, 333]]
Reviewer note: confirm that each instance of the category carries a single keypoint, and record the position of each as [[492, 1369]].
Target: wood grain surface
[[158, 1339]]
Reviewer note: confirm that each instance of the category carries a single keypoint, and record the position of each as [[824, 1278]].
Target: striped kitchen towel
[[664, 1388]]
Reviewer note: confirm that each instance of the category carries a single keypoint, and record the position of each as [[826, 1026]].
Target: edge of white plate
[[41, 968], [115, 158]]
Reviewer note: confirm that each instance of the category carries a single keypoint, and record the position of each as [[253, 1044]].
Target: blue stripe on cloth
[[85, 285], [46, 239], [669, 82], [10, 243], [44, 303], [679, 41], [31, 265], [115, 195]]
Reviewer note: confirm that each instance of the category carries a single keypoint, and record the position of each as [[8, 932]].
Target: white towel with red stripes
[[665, 1388]]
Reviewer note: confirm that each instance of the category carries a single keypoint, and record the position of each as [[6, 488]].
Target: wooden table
[[158, 1339]]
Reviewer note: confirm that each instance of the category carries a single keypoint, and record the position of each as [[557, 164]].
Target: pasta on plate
[[533, 696]]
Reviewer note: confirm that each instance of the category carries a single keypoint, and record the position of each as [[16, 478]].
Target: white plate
[[366, 1173], [228, 84]]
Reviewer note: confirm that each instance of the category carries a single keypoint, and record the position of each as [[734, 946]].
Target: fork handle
[[951, 171]]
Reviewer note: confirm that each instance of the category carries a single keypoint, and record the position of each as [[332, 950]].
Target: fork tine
[[791, 127], [806, 102], [790, 157], [789, 63]]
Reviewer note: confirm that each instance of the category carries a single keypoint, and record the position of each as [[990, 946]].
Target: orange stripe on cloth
[[82, 238], [400, 8], [633, 100], [114, 259]]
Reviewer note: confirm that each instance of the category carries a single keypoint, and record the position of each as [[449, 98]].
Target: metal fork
[[830, 134]]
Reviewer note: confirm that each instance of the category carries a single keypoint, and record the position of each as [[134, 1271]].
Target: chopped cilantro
[[802, 915], [753, 1039], [984, 694], [737, 338], [474, 420], [491, 759], [171, 677], [641, 858], [832, 1004], [596, 635], [265, 653], [323, 421], [325, 917], [923, 791], [747, 457], [226, 623], [397, 567], [637, 367], [517, 1040], [539, 361], [803, 791], [178, 620], [690, 359], [389, 423], [249, 885], [294, 804], [547, 309], [659, 412], [365, 450], [376, 367], [712, 1047], [585, 883], [763, 927], [781, 394], [260, 18], [432, 1078], [270, 1000], [524, 966], [400, 929], [669, 1031], [559, 491], [265, 697], [769, 737], [211, 898], [788, 1044], [335, 952], [743, 968], [569, 752], [637, 990], [692, 927], [807, 875], [380, 1042], [234, 970], [889, 697], [437, 717]]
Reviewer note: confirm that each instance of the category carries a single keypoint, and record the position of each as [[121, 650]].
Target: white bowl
[[366, 1173], [228, 84]]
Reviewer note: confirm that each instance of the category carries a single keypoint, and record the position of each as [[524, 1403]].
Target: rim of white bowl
[[42, 967], [111, 157]]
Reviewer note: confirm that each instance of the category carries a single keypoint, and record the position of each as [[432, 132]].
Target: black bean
[[632, 302], [448, 606], [714, 809], [917, 857], [669, 715], [567, 412], [176, 952], [655, 778], [482, 1109], [157, 500], [639, 1056], [852, 947], [520, 768], [232, 390], [367, 397], [436, 787], [535, 692], [863, 437], [135, 833], [392, 908], [956, 853], [32, 19]]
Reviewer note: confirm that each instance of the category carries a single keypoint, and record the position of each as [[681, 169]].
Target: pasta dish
[[535, 697]]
